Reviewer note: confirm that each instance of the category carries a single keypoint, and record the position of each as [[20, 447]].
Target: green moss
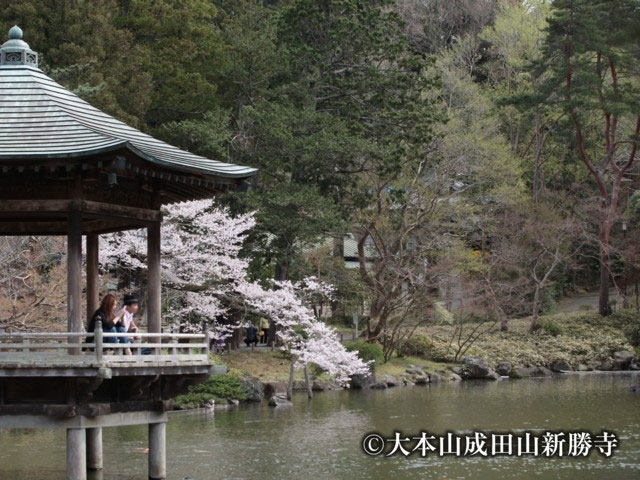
[[550, 327], [219, 388]]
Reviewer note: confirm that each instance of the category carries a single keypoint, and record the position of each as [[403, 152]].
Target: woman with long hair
[[106, 314]]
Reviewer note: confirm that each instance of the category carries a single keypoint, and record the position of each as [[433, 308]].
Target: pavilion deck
[[70, 378], [67, 354]]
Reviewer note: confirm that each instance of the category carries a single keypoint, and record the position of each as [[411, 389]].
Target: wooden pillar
[[94, 448], [154, 304], [74, 273], [93, 289], [158, 451], [76, 454]]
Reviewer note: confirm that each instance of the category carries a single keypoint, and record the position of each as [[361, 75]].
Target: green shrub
[[367, 351], [424, 347], [632, 333], [550, 327], [219, 388], [441, 316], [417, 345]]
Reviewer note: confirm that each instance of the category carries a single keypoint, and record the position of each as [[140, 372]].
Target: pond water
[[321, 439]]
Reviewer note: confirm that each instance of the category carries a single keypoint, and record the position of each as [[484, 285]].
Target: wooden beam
[[93, 245], [89, 226], [74, 273], [25, 206], [106, 210], [89, 209], [154, 302]]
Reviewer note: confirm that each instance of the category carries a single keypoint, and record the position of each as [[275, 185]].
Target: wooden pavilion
[[66, 168]]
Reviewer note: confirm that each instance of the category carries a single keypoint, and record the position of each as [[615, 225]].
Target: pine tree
[[591, 68]]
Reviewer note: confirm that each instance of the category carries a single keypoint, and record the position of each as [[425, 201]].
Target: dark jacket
[[252, 334], [102, 316]]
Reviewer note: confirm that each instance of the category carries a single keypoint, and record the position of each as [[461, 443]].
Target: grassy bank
[[578, 338], [263, 364]]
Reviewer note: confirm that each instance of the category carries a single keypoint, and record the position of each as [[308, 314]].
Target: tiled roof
[[40, 119]]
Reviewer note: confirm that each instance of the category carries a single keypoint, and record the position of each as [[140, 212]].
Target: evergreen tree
[[590, 68]]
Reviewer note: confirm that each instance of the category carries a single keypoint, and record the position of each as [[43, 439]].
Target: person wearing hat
[[126, 323]]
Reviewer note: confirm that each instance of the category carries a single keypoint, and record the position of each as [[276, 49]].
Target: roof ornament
[[16, 51]]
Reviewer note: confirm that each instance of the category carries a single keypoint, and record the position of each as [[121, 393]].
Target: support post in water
[[76, 454], [158, 451], [94, 448]]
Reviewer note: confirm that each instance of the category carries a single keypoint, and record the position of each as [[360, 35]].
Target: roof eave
[[247, 172]]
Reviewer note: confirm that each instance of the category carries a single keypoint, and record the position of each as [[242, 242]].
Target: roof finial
[[15, 33], [16, 51]]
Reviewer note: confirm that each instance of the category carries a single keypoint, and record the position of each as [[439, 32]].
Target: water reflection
[[320, 439]]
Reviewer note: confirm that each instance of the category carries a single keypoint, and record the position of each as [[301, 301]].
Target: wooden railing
[[98, 348]]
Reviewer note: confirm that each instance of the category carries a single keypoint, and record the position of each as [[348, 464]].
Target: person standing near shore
[[264, 330]]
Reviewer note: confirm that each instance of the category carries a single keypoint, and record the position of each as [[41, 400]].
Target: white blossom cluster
[[200, 260]]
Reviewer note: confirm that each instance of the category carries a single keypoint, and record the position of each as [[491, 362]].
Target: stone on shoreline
[[421, 379], [378, 385], [413, 370], [622, 359], [560, 365], [504, 368], [522, 372], [254, 388], [477, 367], [390, 380], [360, 382], [275, 388], [279, 401], [407, 382], [317, 386]]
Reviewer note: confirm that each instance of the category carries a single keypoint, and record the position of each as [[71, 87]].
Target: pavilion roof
[[42, 120]]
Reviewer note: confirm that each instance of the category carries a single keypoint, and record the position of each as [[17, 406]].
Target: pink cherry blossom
[[202, 274]]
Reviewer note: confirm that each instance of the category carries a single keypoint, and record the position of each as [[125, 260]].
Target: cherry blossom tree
[[207, 280]]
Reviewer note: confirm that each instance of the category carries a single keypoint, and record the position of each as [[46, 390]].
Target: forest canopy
[[476, 150]]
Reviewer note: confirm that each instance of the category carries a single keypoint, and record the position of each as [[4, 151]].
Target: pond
[[321, 438]]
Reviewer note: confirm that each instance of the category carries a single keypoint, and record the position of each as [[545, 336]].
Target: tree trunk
[[307, 380], [604, 307], [291, 373], [281, 274], [536, 309], [273, 328]]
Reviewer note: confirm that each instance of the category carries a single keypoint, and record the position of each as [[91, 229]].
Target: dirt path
[[578, 302]]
